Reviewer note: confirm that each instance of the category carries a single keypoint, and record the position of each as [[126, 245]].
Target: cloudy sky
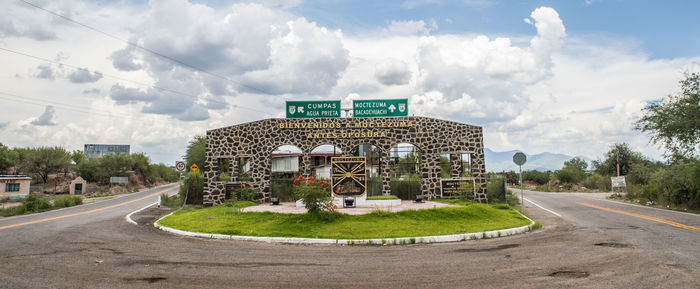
[[540, 76]]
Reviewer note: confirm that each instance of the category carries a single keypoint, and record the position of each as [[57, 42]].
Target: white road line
[[543, 208], [128, 217]]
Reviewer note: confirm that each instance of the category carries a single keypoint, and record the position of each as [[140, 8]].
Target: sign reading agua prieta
[[348, 176], [313, 109]]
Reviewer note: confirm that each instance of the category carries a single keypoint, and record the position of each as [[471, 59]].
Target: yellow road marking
[[679, 225], [82, 213]]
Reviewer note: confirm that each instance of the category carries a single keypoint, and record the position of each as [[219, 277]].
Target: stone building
[[253, 143]]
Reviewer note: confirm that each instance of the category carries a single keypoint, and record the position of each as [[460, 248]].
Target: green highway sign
[[380, 107], [313, 109]]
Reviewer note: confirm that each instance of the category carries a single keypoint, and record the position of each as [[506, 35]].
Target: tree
[[574, 171], [8, 158], [675, 122], [196, 152], [627, 157], [46, 160], [77, 156]]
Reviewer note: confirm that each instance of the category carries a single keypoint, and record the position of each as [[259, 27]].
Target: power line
[[144, 48], [42, 102], [124, 79]]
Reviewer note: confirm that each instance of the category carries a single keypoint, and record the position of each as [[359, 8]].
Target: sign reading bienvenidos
[[313, 109], [452, 188], [348, 176], [351, 129], [380, 108]]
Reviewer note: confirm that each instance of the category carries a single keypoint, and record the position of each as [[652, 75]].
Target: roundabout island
[[409, 223]]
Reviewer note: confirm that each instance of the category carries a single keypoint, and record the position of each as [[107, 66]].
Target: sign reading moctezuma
[[255, 142]]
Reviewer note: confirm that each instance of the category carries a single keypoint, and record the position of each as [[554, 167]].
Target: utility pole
[[618, 163]]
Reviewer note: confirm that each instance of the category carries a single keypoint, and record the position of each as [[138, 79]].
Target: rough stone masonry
[[257, 140]]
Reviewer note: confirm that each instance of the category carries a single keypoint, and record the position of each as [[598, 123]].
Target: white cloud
[[46, 118], [249, 48], [493, 72], [410, 27], [392, 72], [82, 75], [556, 93], [46, 72]]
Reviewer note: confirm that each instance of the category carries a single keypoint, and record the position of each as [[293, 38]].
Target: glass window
[[12, 187]]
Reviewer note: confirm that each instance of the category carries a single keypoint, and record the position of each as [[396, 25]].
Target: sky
[[565, 77]]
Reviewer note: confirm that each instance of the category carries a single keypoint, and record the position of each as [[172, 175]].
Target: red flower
[[235, 198]]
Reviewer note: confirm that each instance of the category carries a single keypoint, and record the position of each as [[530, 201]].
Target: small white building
[[14, 186]]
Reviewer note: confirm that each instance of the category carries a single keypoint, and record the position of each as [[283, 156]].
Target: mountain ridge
[[545, 161]]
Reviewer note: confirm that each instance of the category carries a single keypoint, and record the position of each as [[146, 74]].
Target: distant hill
[[503, 161]]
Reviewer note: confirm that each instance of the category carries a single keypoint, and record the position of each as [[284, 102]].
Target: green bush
[[36, 204], [192, 188], [14, 211], [315, 194], [597, 182], [405, 189], [172, 202], [535, 176], [494, 189], [67, 201], [283, 189], [247, 194]]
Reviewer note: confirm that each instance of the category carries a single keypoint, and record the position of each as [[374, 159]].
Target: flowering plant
[[315, 193]]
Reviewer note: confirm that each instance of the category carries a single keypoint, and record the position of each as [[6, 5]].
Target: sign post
[[313, 109], [520, 159], [618, 182], [380, 108]]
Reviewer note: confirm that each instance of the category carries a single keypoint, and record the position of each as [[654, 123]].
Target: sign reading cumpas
[[313, 109], [380, 108]]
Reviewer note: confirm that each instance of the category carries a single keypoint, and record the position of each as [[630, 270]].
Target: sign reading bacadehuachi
[[310, 109], [380, 107]]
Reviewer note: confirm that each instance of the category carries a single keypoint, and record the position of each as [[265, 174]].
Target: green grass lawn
[[378, 224]]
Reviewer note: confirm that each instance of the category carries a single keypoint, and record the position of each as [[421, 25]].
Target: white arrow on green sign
[[380, 107], [313, 109]]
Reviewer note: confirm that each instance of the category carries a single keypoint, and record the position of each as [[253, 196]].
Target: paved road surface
[[589, 246]]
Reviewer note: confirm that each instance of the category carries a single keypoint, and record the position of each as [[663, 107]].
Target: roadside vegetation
[[53, 168], [673, 123], [34, 204]]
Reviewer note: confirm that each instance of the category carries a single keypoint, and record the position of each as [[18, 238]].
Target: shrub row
[[36, 204]]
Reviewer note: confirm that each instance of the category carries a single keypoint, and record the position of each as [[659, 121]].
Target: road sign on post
[[520, 159], [180, 166], [380, 107], [313, 109], [194, 168]]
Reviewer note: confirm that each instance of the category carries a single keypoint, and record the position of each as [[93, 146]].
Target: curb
[[380, 241], [128, 217]]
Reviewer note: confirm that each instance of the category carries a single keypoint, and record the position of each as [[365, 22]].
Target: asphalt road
[[594, 244]]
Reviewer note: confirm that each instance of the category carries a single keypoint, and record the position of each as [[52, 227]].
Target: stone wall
[[257, 140]]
